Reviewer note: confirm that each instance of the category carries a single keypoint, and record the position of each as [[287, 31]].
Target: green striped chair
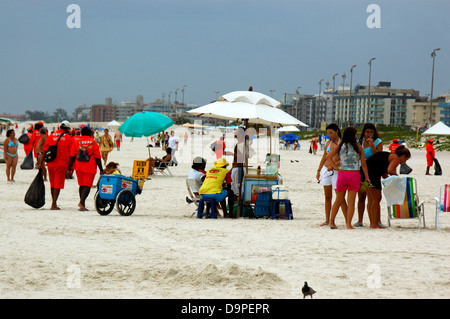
[[411, 207]]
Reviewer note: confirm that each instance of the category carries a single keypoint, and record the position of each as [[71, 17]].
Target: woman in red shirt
[[430, 155], [85, 170], [58, 167], [27, 147]]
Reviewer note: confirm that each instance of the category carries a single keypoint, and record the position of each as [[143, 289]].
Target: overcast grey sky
[[128, 48]]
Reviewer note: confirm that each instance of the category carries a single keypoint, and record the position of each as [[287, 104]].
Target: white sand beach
[[160, 251]]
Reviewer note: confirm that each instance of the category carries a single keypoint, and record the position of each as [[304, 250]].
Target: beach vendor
[[85, 170], [58, 167], [212, 186]]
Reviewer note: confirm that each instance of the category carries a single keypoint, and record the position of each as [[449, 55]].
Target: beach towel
[[394, 188]]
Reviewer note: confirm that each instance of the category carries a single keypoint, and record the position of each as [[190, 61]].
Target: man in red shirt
[[58, 167], [27, 147], [394, 145], [85, 170], [430, 155], [36, 136]]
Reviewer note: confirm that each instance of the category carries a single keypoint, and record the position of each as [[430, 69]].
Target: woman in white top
[[326, 175], [351, 155]]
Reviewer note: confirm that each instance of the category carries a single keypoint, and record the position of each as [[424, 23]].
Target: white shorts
[[328, 178]]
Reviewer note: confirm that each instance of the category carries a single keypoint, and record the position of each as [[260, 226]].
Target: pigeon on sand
[[307, 291]]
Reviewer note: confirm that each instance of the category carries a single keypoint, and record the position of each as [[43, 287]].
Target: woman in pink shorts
[[349, 179]]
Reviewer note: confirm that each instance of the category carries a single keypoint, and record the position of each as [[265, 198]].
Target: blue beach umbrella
[[290, 137]]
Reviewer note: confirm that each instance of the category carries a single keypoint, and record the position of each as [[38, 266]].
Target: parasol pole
[[148, 146], [241, 168]]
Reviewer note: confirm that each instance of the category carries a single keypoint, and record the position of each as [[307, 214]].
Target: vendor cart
[[117, 191]]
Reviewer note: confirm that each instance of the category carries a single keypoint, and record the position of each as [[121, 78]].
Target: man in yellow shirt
[[212, 186]]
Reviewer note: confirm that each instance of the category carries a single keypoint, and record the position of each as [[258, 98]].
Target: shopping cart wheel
[[103, 206], [125, 202]]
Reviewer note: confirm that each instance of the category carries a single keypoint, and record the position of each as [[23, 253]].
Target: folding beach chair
[[163, 168], [442, 203], [192, 184], [411, 207]]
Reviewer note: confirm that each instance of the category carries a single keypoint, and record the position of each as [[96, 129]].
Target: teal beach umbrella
[[145, 124]]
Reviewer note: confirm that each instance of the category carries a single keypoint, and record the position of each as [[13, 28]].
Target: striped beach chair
[[411, 207], [442, 203]]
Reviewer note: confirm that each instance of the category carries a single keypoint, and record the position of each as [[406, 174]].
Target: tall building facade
[[386, 106]]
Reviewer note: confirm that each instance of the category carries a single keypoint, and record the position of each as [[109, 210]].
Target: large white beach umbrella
[[438, 129], [248, 106]]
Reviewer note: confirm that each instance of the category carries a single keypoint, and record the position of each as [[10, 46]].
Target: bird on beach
[[307, 291]]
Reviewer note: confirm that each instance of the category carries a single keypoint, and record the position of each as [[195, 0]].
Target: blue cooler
[[111, 185]]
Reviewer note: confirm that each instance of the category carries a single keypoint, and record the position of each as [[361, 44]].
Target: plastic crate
[[263, 205]]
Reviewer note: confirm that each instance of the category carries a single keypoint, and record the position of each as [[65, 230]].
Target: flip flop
[[358, 224]]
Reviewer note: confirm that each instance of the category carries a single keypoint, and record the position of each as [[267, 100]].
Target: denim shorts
[[217, 197]]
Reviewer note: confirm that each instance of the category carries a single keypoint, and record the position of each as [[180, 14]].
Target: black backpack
[[82, 154], [52, 151]]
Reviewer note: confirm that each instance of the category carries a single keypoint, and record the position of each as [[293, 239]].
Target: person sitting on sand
[[159, 162]]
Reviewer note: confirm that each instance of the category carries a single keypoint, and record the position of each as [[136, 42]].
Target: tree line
[[57, 116]]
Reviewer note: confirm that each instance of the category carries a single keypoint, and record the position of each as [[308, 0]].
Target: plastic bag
[[35, 196], [437, 167], [405, 169], [24, 138], [28, 162]]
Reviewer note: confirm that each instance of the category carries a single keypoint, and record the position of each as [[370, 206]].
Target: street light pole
[[318, 104], [368, 92], [296, 104], [182, 90], [351, 79], [433, 55], [343, 95], [334, 75]]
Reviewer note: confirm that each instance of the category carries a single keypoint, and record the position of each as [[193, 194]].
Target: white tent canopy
[[114, 123], [438, 129]]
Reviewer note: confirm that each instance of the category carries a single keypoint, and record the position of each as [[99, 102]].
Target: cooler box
[[280, 192], [111, 185], [254, 180]]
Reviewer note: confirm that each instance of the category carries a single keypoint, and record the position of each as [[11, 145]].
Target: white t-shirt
[[197, 176], [173, 140]]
